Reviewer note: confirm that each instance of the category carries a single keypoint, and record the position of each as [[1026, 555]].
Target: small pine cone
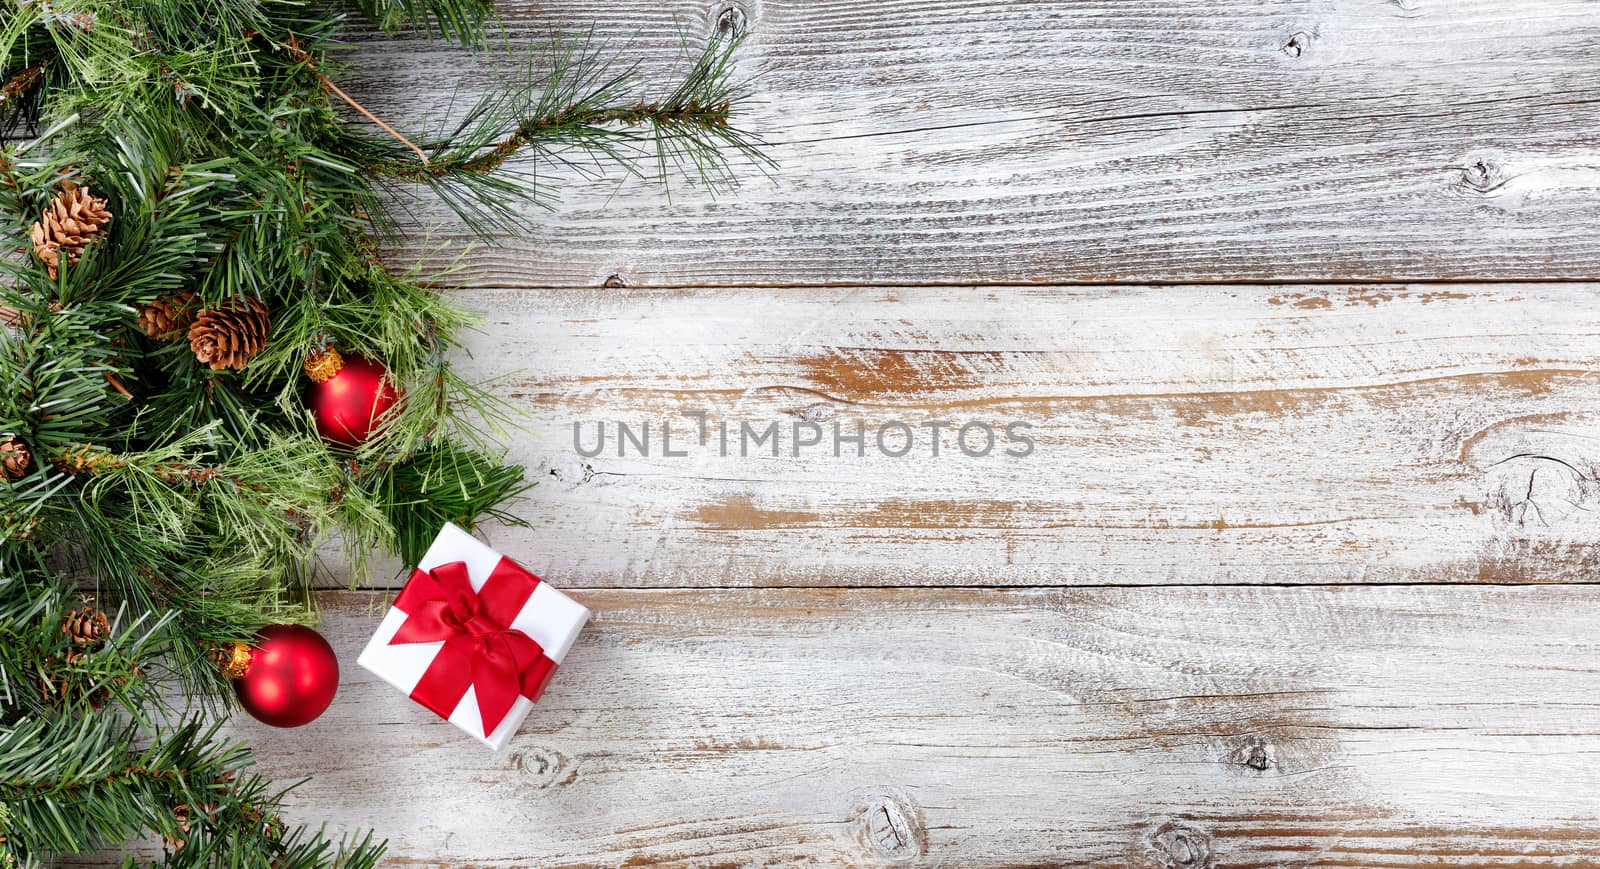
[[168, 319], [229, 335], [323, 363], [14, 457], [72, 220], [182, 814], [86, 626], [271, 825]]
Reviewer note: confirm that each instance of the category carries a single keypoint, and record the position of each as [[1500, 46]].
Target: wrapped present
[[474, 637]]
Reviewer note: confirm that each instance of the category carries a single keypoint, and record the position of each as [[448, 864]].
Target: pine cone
[[229, 335], [180, 814], [187, 816], [14, 457], [72, 220], [322, 363], [86, 626], [168, 319]]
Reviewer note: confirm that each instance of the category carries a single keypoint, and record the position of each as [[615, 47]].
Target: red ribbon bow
[[481, 648]]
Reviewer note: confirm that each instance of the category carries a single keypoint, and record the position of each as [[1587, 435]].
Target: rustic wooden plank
[[1362, 727], [1183, 434], [948, 141]]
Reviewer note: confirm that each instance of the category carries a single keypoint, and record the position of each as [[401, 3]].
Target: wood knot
[[889, 826], [1298, 43], [820, 411], [1538, 490], [1256, 753], [1174, 846], [1482, 176], [615, 282], [732, 22], [569, 469], [544, 767]]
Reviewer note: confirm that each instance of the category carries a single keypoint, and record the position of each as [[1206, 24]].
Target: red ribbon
[[481, 648]]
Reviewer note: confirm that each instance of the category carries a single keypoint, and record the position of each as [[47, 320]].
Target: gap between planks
[[1291, 283], [394, 585]]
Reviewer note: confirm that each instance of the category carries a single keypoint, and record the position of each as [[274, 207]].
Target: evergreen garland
[[198, 211]]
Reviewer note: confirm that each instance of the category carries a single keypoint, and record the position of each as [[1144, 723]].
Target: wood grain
[[1192, 727], [948, 141], [1291, 295], [1441, 433]]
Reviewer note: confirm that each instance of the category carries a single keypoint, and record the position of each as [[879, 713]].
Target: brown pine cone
[[228, 336], [86, 626], [187, 816], [181, 814], [168, 319], [14, 457], [72, 220]]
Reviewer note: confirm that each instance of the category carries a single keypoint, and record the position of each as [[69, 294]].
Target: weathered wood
[[1183, 434], [1360, 727], [1230, 440], [948, 141]]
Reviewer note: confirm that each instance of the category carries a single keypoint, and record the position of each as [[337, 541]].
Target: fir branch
[[72, 786], [465, 21], [582, 114], [189, 501], [447, 483], [292, 47]]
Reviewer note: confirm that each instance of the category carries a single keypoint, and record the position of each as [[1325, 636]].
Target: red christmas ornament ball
[[347, 405], [291, 677]]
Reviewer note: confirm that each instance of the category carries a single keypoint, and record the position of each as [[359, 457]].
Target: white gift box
[[549, 617]]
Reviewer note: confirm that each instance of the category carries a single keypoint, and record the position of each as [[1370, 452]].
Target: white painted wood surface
[[1178, 727], [1183, 434], [962, 142], [1301, 571]]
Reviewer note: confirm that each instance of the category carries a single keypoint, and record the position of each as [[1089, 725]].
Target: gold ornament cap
[[234, 659], [322, 364]]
